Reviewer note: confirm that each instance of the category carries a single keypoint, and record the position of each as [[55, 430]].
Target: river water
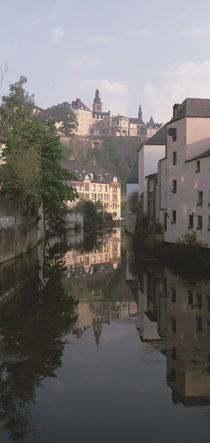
[[97, 348]]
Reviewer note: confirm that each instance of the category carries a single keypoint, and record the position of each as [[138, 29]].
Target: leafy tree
[[133, 202], [62, 113], [32, 173]]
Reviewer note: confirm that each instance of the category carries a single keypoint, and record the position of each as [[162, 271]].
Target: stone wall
[[16, 235]]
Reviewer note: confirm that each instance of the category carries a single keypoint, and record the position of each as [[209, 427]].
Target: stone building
[[84, 117], [95, 183]]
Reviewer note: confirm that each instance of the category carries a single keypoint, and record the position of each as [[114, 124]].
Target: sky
[[155, 53]]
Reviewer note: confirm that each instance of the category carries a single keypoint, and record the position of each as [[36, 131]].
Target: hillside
[[117, 154]]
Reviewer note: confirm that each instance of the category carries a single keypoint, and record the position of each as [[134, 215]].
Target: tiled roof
[[134, 175], [192, 107], [100, 175], [159, 138]]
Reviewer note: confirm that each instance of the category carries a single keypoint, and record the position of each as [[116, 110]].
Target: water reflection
[[35, 317], [174, 317], [85, 307]]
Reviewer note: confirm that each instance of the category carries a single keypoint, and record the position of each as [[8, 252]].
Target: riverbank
[[186, 257]]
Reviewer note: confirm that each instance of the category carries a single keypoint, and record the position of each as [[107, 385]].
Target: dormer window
[[115, 179]]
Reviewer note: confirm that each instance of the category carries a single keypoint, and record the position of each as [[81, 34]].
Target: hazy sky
[[155, 53]]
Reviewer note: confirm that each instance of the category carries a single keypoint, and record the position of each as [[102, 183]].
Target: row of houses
[[172, 175]]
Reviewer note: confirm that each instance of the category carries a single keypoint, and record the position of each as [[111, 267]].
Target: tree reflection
[[33, 329]]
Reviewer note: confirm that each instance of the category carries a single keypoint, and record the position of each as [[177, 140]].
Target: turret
[[97, 105]]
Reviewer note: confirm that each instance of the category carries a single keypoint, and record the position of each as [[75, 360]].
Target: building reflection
[[95, 314], [105, 257], [174, 317]]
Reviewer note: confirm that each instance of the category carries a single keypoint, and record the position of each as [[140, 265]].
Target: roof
[[78, 104], [159, 138], [203, 155], [100, 175], [138, 121], [155, 174], [192, 107], [134, 175]]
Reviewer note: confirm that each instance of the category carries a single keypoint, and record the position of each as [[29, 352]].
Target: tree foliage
[[133, 202], [32, 173], [63, 114]]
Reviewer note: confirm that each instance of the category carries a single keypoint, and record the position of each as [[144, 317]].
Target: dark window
[[190, 221], [174, 158], [190, 297], [174, 186], [173, 324], [173, 353], [197, 166], [173, 295], [208, 304], [174, 136], [200, 198], [199, 324], [173, 216], [198, 300], [199, 222]]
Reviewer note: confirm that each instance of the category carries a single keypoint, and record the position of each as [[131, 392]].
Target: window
[[190, 224], [93, 259], [199, 324], [199, 222], [174, 158], [173, 216], [174, 136], [174, 186], [173, 295], [198, 300], [86, 186], [197, 166], [106, 188], [190, 297], [87, 260], [173, 353], [93, 187], [100, 187], [173, 324], [208, 303], [200, 198]]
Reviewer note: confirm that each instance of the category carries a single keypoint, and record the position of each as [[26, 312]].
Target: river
[[96, 347]]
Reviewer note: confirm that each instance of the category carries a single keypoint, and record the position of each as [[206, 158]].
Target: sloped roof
[[100, 175], [159, 138], [192, 107], [203, 155], [134, 175], [78, 104], [136, 120]]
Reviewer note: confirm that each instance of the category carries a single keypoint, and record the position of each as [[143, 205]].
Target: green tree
[[32, 173], [133, 202], [62, 113]]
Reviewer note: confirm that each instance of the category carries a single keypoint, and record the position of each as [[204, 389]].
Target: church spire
[[97, 105], [140, 113]]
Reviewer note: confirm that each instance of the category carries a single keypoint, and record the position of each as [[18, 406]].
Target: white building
[[150, 152], [184, 175]]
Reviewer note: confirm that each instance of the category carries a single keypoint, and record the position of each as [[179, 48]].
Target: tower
[[97, 105], [140, 113]]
